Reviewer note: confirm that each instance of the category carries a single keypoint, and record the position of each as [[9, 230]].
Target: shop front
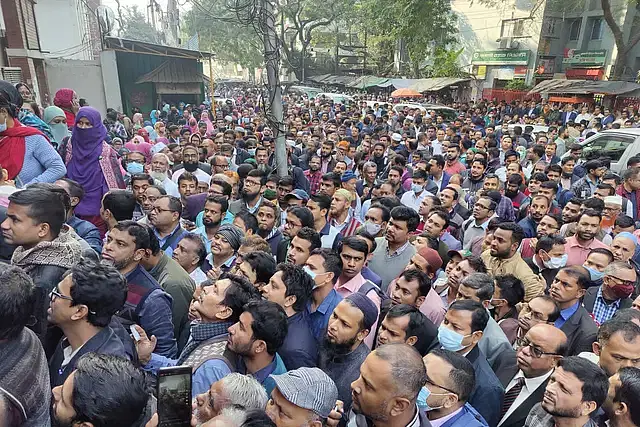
[[584, 64]]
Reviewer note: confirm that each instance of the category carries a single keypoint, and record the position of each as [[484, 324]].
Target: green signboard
[[500, 57], [585, 58]]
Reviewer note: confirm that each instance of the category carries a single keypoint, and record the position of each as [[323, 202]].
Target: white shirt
[[170, 187], [200, 175], [198, 275], [413, 201], [530, 385]]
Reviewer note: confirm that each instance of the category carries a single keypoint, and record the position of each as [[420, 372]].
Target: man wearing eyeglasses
[[538, 352], [613, 294], [82, 305], [165, 218]]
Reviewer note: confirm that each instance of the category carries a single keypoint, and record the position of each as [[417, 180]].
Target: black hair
[[354, 243], [629, 392], [332, 263], [186, 176], [550, 185], [238, 294], [75, 189], [419, 174], [388, 202], [201, 249], [627, 328], [298, 283], [555, 314], [269, 323], [546, 243], [595, 383], [479, 316], [323, 201], [580, 273], [476, 263], [141, 177], [226, 187], [624, 221], [257, 418], [262, 263], [175, 204], [121, 386], [286, 181], [45, 206], [603, 251], [121, 204], [592, 212], [255, 173], [567, 159], [403, 213], [455, 192], [334, 177], [303, 214], [139, 232], [311, 236], [160, 189], [517, 234], [249, 219], [218, 200], [100, 287], [439, 159], [17, 301], [515, 179], [539, 176], [511, 289], [538, 150], [424, 283], [386, 212], [419, 326], [462, 375], [592, 165]]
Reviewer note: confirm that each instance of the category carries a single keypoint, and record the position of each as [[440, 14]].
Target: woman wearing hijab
[[28, 116], [24, 151], [205, 118], [161, 129], [55, 118], [93, 164], [138, 144], [151, 132], [67, 99], [138, 122], [193, 125], [155, 116]]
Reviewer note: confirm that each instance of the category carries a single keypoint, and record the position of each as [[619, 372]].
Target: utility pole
[[272, 65]]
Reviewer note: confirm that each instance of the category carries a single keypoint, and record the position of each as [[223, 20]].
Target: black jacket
[[581, 331], [590, 299], [519, 415]]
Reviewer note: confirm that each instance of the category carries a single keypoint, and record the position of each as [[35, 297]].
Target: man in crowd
[[160, 172], [84, 229], [290, 287], [503, 258], [251, 194], [147, 304], [165, 218], [139, 184], [267, 224], [324, 267], [342, 349], [190, 255], [538, 353], [548, 258], [567, 290], [393, 251], [614, 294], [215, 209], [404, 323], [460, 331], [621, 405], [44, 249], [117, 205], [451, 380], [579, 245], [224, 246], [476, 226], [218, 307], [576, 389], [175, 281], [342, 221], [81, 306], [617, 344], [538, 208]]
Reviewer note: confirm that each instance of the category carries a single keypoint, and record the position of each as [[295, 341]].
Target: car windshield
[[607, 145]]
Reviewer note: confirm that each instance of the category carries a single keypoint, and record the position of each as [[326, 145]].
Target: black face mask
[[190, 167]]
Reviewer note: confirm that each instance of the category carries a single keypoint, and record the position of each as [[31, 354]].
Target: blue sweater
[[42, 163]]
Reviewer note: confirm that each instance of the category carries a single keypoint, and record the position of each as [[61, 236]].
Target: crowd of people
[[409, 270]]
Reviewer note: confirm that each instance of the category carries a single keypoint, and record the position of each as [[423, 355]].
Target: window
[[611, 146], [574, 30], [596, 29]]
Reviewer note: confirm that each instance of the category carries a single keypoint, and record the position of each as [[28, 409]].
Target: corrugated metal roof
[[585, 87], [435, 83], [173, 71]]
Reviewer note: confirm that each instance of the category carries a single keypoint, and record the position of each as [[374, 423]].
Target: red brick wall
[[12, 20]]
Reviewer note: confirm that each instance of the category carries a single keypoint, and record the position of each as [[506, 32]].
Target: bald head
[[407, 368], [556, 339], [540, 350]]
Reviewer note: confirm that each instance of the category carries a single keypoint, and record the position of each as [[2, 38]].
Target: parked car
[[617, 144], [536, 128], [337, 97]]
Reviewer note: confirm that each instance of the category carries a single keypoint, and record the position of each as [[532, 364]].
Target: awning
[[435, 83], [582, 87], [174, 71], [366, 82], [136, 46]]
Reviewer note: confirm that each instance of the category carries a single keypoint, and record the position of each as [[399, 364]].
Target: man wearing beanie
[[343, 349], [306, 395], [224, 245]]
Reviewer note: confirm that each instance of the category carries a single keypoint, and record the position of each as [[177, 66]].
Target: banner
[[584, 58], [500, 57]]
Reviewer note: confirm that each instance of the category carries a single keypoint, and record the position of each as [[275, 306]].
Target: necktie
[[511, 396]]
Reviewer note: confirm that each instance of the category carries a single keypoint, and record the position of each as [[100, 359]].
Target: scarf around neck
[[63, 251]]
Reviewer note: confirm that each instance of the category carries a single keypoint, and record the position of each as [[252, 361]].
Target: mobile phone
[[174, 396], [134, 332]]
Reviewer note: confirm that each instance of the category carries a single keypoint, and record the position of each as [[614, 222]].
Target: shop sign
[[500, 57]]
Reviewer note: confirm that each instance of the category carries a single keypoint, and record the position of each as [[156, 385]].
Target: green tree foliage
[[445, 64], [420, 24], [222, 32], [134, 26]]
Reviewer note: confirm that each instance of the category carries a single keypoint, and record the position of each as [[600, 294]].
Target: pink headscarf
[[205, 118], [139, 145], [193, 125]]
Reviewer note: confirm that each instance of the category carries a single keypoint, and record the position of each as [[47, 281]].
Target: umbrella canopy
[[405, 93]]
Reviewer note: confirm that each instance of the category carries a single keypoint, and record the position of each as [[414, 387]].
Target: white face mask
[[372, 228], [556, 262]]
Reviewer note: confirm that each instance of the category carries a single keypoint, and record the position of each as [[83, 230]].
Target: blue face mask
[[422, 399], [450, 340], [252, 151], [3, 126], [594, 274], [134, 168]]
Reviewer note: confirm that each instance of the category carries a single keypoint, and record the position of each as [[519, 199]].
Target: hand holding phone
[[174, 396]]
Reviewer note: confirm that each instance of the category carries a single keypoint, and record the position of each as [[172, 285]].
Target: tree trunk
[[623, 47]]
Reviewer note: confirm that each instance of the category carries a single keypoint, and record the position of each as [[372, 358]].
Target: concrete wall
[[69, 41], [110, 79], [85, 77]]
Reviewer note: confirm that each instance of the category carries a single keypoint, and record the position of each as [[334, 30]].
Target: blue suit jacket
[[572, 116], [467, 417], [488, 394], [528, 226]]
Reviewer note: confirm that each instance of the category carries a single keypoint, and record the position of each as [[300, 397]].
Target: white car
[[617, 144], [339, 98]]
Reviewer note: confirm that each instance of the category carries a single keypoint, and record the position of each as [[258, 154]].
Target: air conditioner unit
[[505, 42], [11, 74]]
